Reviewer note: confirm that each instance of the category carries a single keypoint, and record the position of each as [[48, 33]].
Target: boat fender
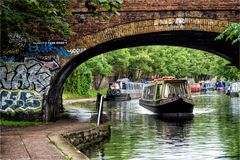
[[118, 92], [114, 92], [109, 92]]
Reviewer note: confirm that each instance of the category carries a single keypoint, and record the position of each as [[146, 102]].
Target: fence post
[[99, 106]]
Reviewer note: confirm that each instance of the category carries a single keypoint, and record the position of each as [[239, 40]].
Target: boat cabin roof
[[167, 81]]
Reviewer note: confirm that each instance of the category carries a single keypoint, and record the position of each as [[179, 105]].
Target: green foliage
[[34, 20], [83, 84], [79, 81], [26, 16], [231, 33], [140, 62], [95, 6], [69, 95], [92, 93], [143, 62], [99, 65], [119, 60]]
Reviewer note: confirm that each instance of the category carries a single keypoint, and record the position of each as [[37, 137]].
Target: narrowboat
[[195, 87], [207, 86], [219, 85], [124, 89], [167, 95]]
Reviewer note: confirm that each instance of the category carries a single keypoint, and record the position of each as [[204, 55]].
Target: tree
[[24, 21], [231, 33], [119, 60], [99, 68], [143, 62]]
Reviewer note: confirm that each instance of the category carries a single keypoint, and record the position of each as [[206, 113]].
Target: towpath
[[42, 142]]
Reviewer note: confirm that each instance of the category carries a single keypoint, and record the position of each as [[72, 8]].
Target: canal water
[[138, 134]]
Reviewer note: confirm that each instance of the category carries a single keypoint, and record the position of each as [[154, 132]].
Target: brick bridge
[[186, 23]]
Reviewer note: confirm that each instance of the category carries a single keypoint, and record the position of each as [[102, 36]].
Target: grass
[[60, 149], [20, 123], [89, 94], [67, 95]]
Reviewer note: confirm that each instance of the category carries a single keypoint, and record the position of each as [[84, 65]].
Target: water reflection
[[140, 134], [235, 106], [213, 132]]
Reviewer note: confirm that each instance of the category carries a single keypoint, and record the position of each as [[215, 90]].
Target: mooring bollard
[[99, 105]]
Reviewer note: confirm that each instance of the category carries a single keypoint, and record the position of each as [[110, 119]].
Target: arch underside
[[192, 39]]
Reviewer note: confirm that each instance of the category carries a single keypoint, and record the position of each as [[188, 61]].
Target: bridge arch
[[197, 33]]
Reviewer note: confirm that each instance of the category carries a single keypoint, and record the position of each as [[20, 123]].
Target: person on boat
[[234, 87], [115, 86]]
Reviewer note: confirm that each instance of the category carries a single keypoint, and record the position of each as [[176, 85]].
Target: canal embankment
[[52, 141], [89, 137], [40, 142]]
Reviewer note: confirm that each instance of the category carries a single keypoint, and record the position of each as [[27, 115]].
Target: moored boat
[[167, 95], [207, 86], [124, 89], [234, 90], [196, 87]]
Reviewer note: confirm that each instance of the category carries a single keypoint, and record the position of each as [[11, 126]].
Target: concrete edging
[[67, 149]]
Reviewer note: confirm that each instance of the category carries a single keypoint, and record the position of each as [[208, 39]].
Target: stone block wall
[[84, 139]]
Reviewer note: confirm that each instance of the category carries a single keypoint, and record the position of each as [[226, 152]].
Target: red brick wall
[[156, 5], [139, 10]]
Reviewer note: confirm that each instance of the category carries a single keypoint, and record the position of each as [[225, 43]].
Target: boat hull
[[234, 94], [123, 96], [175, 105], [120, 97]]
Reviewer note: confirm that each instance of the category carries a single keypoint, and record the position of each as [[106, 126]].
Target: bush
[[83, 84]]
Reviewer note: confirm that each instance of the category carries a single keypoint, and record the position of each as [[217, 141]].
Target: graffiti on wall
[[48, 47], [8, 59], [76, 51], [22, 85], [17, 40], [49, 62], [23, 77], [19, 99]]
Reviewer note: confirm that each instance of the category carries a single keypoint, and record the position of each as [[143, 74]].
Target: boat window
[[159, 89], [131, 86], [176, 89], [138, 86], [135, 86], [149, 92], [124, 86]]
